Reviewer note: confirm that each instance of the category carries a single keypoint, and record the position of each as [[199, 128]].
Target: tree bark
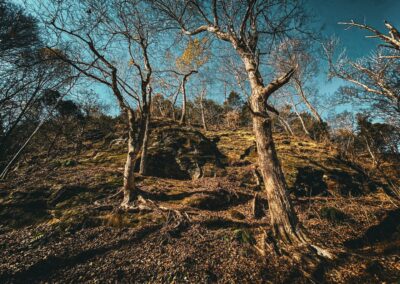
[[129, 176], [143, 159], [203, 117], [312, 109], [184, 80], [284, 222], [183, 115], [301, 120], [283, 219]]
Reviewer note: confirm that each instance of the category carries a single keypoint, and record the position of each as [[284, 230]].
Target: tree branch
[[277, 83]]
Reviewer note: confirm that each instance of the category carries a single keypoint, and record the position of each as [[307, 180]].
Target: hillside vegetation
[[60, 219]]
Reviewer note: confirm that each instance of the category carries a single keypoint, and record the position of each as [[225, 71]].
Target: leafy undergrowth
[[59, 221]]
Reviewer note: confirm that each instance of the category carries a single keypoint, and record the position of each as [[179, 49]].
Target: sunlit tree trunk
[[129, 176], [183, 115], [283, 218], [184, 98], [286, 125], [303, 125], [312, 109]]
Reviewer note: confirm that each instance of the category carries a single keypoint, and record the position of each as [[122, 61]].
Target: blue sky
[[371, 12], [327, 14]]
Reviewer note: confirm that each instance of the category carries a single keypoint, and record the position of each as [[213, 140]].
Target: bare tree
[[299, 117], [96, 32], [242, 24], [184, 97], [374, 81], [143, 159], [375, 78], [193, 57], [27, 71], [43, 119], [297, 53], [392, 41]]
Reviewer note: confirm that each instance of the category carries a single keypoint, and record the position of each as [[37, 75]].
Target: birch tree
[[193, 57]]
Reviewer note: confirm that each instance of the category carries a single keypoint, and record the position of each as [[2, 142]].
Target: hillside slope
[[60, 219]]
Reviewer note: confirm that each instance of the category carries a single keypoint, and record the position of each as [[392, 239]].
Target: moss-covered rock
[[182, 153], [24, 207]]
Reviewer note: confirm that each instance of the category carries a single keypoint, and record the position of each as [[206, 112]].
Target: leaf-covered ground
[[60, 222]]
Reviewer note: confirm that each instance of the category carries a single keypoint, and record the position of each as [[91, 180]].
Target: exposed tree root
[[308, 258]]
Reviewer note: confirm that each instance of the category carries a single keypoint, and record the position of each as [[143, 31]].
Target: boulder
[[24, 207], [309, 182], [182, 153]]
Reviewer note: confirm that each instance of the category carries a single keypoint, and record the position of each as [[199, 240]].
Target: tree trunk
[[20, 151], [203, 117], [173, 113], [173, 102], [143, 159], [301, 120], [284, 222], [286, 125], [129, 176], [313, 111], [371, 153], [283, 219], [183, 115], [184, 80]]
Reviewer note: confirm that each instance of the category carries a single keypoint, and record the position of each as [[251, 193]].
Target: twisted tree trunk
[[284, 222]]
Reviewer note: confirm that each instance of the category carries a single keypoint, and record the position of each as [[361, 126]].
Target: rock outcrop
[[182, 153]]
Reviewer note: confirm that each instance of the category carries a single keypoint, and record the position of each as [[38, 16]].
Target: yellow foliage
[[194, 56]]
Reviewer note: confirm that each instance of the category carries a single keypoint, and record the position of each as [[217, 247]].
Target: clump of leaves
[[244, 236], [333, 214], [195, 55]]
